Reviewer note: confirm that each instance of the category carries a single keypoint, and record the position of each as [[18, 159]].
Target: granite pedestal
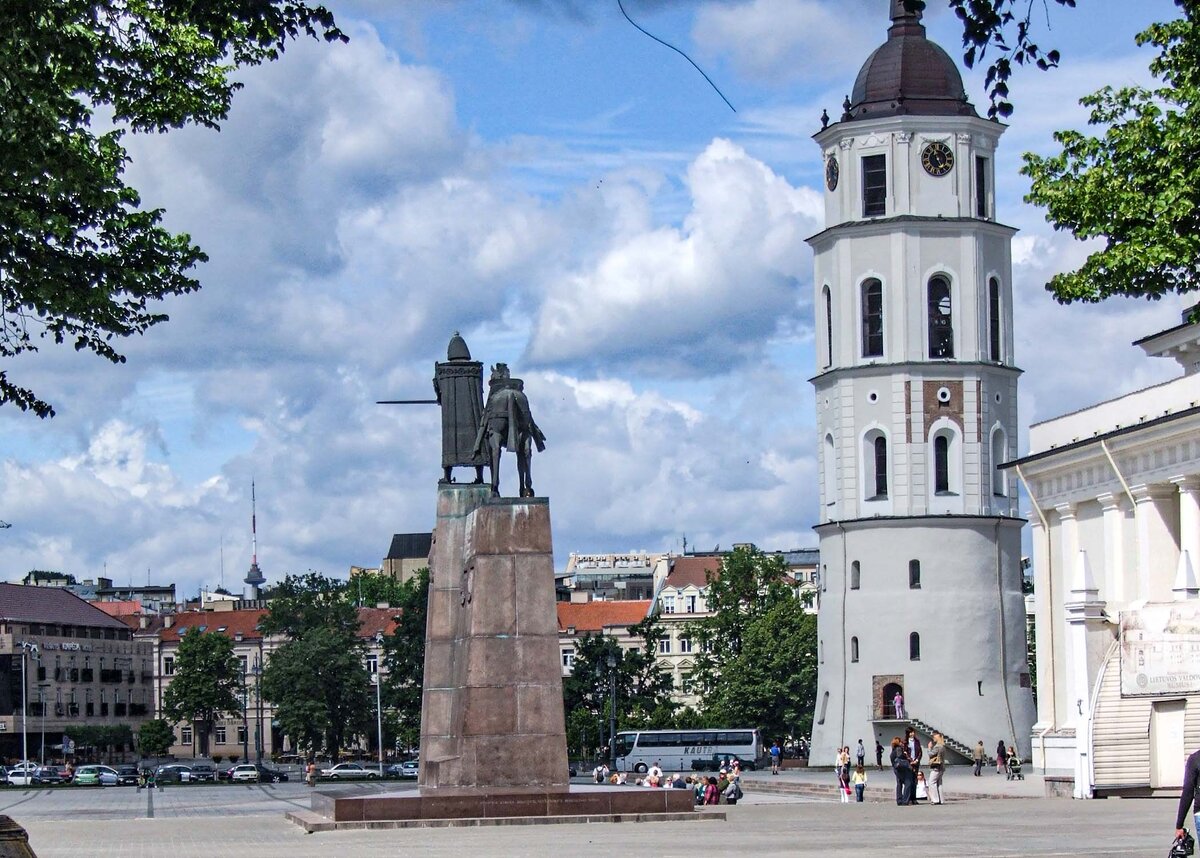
[[493, 738]]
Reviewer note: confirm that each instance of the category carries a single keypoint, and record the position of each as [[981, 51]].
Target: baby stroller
[[1014, 768]]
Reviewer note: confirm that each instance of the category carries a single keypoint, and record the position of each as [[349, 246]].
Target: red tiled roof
[[596, 616], [119, 609], [373, 620], [692, 571], [24, 604]]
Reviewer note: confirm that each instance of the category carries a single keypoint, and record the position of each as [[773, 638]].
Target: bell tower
[[916, 394]]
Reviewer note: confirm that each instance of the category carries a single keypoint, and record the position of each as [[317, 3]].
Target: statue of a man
[[508, 424], [458, 384]]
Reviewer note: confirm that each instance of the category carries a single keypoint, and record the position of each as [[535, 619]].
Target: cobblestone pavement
[[203, 822]]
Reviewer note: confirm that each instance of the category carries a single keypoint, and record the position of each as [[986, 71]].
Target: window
[[169, 667], [690, 603], [685, 645], [914, 574], [372, 664], [185, 735], [941, 326], [829, 471], [941, 464], [875, 454], [221, 735], [241, 734], [855, 574], [994, 319], [853, 649], [244, 663], [874, 169], [981, 201], [664, 645], [914, 647], [568, 658], [824, 706], [668, 603], [999, 477], [820, 652], [872, 319], [828, 326]]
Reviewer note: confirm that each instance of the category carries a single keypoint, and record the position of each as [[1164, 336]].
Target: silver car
[[346, 771]]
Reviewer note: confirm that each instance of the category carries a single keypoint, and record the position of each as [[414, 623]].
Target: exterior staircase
[[967, 752]]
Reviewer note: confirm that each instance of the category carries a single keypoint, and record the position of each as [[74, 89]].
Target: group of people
[[724, 788], [907, 757], [846, 777], [1008, 762]]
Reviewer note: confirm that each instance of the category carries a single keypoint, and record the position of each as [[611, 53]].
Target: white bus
[[678, 750]]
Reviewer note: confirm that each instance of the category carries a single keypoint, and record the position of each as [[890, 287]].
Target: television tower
[[254, 578]]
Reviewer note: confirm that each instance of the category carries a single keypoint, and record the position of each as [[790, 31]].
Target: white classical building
[[916, 392], [1116, 550]]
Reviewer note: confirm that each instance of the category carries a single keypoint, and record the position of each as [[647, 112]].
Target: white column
[[1185, 586], [1044, 621], [1064, 564], [1114, 548], [1156, 545], [1081, 605]]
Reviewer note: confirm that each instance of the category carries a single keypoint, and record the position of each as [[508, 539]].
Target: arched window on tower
[[854, 649], [828, 297], [914, 574], [941, 464], [994, 330], [914, 647], [872, 318], [875, 465], [999, 454], [947, 467], [941, 325], [829, 471], [855, 575]]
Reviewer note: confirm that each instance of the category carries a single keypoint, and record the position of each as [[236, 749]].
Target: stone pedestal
[[491, 715]]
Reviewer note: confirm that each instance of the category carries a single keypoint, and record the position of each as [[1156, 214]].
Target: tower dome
[[457, 350], [908, 74]]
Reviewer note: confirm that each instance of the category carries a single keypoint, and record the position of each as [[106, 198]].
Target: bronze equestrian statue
[[508, 425]]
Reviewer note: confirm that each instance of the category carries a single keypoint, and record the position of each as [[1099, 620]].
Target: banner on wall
[[1160, 650]]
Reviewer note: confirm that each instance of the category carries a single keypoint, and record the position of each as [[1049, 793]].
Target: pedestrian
[[776, 753], [712, 795], [733, 792], [937, 751], [1189, 797], [1001, 757], [920, 789], [980, 756], [310, 772], [860, 753], [859, 779], [843, 774], [913, 745], [902, 770], [898, 705], [878, 755]]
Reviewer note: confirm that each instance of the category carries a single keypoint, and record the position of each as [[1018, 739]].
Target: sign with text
[[1160, 650]]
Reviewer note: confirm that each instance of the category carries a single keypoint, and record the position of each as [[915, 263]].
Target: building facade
[[1116, 555], [916, 391], [81, 668]]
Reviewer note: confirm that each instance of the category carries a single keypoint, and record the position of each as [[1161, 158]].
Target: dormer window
[[874, 172]]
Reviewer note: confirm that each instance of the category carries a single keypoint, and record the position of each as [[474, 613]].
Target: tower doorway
[[888, 701]]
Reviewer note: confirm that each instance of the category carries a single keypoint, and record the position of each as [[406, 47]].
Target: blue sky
[[573, 197]]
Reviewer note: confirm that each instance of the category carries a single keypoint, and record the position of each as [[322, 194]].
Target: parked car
[[244, 772], [23, 774], [95, 774], [346, 771], [173, 773], [202, 772], [407, 769], [268, 775], [51, 775], [127, 775]]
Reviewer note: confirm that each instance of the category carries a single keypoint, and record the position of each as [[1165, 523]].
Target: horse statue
[[507, 424]]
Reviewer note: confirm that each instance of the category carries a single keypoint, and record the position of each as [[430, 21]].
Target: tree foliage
[[1135, 185], [309, 601], [81, 260], [756, 663], [321, 690], [207, 683], [404, 660], [155, 738], [1006, 30]]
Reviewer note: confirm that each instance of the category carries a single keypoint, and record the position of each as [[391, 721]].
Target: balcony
[[73, 709], [119, 710], [89, 709], [74, 674], [110, 676], [137, 708], [86, 675], [103, 710], [131, 677], [147, 676], [59, 710], [41, 673]]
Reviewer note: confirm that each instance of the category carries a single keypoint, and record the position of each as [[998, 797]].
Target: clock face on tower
[[831, 173], [937, 159]]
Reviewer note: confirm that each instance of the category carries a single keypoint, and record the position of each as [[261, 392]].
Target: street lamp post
[[42, 687], [379, 698], [245, 717], [611, 660], [258, 720]]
